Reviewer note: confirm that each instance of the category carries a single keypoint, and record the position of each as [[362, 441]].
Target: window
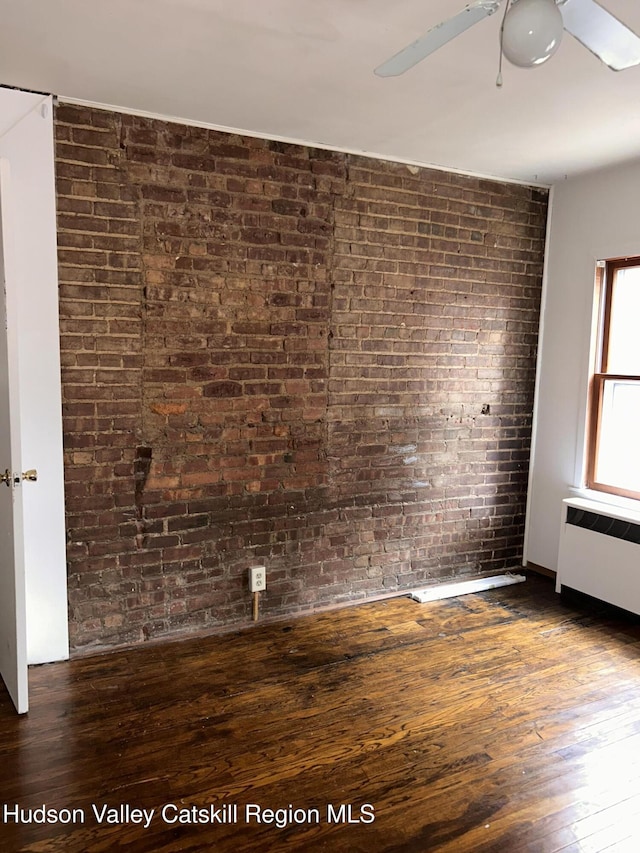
[[613, 458]]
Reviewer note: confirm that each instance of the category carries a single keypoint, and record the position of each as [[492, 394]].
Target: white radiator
[[600, 552]]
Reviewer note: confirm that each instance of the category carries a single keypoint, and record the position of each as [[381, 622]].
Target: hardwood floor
[[504, 721]]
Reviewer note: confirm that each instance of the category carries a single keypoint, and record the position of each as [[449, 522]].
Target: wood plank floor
[[504, 721]]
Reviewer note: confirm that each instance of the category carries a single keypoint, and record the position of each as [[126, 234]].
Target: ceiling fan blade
[[436, 37], [602, 33]]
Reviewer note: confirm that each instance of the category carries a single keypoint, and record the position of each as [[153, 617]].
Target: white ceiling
[[303, 70]]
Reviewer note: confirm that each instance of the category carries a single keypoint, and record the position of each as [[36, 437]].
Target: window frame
[[605, 278]]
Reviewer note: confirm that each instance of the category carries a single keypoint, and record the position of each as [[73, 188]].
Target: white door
[[13, 633]]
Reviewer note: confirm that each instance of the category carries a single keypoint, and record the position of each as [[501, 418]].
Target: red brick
[[303, 341]]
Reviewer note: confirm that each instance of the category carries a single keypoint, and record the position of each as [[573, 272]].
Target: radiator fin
[[614, 527]]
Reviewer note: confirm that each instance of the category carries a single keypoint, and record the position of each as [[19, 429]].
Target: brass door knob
[[6, 478], [31, 475]]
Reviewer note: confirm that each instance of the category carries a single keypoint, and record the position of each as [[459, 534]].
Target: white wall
[[26, 145], [592, 217]]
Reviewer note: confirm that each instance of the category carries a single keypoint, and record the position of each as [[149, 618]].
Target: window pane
[[624, 342], [618, 462]]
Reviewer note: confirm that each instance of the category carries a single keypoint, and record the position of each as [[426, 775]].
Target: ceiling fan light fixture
[[531, 32]]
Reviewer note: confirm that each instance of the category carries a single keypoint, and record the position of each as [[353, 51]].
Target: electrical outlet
[[257, 578]]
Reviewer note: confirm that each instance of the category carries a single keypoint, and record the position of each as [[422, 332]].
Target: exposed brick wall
[[281, 354]]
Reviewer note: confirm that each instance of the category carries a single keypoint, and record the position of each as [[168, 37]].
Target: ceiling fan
[[530, 34]]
